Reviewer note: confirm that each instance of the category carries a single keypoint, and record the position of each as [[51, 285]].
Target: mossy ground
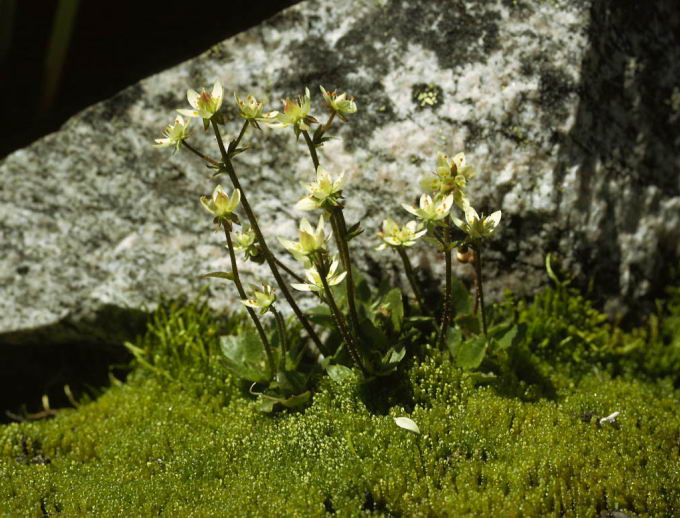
[[182, 437]]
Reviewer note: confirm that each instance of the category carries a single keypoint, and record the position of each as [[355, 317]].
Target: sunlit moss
[[182, 438]]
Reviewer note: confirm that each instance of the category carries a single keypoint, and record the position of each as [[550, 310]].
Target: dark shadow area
[[113, 45], [82, 354], [30, 372], [384, 392], [626, 132]]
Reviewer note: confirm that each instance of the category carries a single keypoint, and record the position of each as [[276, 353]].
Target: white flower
[[396, 236], [250, 109], [262, 300], [314, 278], [220, 203], [341, 104], [474, 226], [294, 113], [244, 243], [453, 167], [323, 192], [244, 240], [311, 240], [429, 210], [174, 134], [407, 424], [205, 104]]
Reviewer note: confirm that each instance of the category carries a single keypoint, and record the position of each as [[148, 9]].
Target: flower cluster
[[448, 186], [445, 191], [450, 177]]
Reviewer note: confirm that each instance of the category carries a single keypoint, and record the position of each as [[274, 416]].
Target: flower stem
[[312, 149], [348, 266], [340, 232], [325, 127], [282, 336], [240, 135], [340, 322], [410, 275], [269, 257], [201, 155], [244, 296], [477, 247], [446, 313], [289, 271]]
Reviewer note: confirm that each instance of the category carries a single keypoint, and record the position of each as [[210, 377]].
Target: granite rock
[[569, 111]]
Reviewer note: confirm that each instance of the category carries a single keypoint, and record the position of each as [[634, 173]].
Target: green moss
[[182, 438]]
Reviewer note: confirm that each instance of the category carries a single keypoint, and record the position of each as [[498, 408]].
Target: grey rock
[[569, 112]]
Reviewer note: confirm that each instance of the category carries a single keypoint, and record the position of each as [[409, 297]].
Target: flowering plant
[[354, 327]]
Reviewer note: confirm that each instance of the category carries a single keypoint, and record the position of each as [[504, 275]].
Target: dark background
[[112, 45]]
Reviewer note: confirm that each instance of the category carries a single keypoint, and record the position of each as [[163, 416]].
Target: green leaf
[[266, 403], [470, 353], [394, 356], [218, 275], [321, 315], [462, 301], [373, 339], [289, 382], [469, 324], [362, 291], [481, 378], [244, 356], [418, 318], [297, 400], [340, 373], [394, 301], [354, 231], [507, 335], [453, 340]]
